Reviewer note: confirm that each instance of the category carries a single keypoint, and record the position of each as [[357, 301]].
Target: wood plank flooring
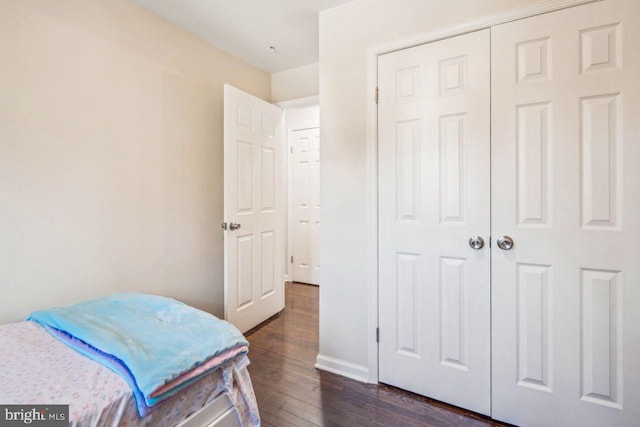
[[291, 392]]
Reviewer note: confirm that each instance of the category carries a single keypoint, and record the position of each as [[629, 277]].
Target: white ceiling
[[247, 28]]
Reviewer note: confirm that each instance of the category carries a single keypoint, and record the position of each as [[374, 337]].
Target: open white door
[[253, 209]]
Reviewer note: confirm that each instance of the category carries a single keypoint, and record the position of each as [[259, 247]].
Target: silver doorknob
[[476, 242], [233, 226], [505, 243]]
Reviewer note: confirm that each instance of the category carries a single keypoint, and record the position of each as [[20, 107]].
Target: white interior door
[[306, 205], [566, 188], [434, 195], [253, 209]]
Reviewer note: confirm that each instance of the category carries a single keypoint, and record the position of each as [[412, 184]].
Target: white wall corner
[[342, 367], [307, 101], [295, 83]]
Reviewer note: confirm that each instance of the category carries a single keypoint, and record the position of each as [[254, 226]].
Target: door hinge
[[291, 149], [291, 259], [378, 335], [377, 95]]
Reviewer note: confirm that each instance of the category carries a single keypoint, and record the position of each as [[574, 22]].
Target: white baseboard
[[342, 367]]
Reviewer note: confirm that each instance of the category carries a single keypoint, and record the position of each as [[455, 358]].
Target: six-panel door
[[253, 164], [434, 195], [566, 188], [306, 205]]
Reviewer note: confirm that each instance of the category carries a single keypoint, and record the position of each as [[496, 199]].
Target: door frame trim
[[488, 21]]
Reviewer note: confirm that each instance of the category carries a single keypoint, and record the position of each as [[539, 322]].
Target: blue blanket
[[154, 339]]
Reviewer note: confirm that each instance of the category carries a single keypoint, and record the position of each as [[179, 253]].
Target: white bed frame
[[219, 413]]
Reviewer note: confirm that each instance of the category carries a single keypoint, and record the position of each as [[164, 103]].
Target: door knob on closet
[[505, 243], [476, 242], [233, 226]]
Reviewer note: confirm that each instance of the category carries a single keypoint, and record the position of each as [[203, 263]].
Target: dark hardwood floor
[[291, 392]]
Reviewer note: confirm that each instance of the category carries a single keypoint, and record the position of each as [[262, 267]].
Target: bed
[[37, 367]]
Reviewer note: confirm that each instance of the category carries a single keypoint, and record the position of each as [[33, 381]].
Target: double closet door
[[509, 218]]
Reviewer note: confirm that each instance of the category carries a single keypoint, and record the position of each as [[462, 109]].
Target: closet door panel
[[434, 195], [566, 189]]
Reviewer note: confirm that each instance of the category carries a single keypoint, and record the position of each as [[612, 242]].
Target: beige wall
[[346, 33], [295, 83], [111, 127]]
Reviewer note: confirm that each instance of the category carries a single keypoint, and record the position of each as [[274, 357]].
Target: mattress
[[35, 368]]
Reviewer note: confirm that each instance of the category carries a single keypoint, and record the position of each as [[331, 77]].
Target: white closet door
[[566, 188], [434, 195], [306, 205]]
